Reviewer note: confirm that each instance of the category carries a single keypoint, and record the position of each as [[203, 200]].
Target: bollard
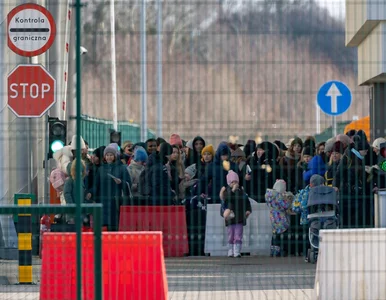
[[24, 230]]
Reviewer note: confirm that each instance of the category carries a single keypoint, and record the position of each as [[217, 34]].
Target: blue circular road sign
[[334, 98]]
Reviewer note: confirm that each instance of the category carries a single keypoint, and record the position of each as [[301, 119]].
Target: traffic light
[[115, 137], [57, 135]]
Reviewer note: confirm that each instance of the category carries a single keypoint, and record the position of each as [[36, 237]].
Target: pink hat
[[232, 176], [175, 140]]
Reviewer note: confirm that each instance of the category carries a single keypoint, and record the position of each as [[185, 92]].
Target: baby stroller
[[322, 214]]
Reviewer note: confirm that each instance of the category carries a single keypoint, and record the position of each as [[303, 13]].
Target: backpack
[[57, 179]]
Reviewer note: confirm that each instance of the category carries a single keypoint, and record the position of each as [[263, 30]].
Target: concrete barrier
[[351, 265], [257, 232]]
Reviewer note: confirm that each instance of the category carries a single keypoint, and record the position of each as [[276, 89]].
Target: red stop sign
[[31, 91]]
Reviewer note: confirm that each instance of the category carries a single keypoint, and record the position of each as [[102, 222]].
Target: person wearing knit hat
[[127, 151], [110, 149], [127, 147], [232, 177], [346, 140], [207, 154], [140, 155], [117, 149], [338, 147], [191, 171], [278, 201], [136, 167], [235, 208], [175, 140], [189, 144], [280, 186], [111, 181], [329, 144]]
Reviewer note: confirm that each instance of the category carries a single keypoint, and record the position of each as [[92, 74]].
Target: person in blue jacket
[[316, 166]]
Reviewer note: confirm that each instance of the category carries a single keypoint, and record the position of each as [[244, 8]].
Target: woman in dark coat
[[356, 205], [111, 188], [261, 171], [158, 179], [289, 163], [194, 155], [215, 176]]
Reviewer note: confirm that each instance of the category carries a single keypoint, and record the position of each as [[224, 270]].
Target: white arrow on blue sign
[[334, 98]]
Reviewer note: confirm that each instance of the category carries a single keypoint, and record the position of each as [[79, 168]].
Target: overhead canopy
[[363, 124]]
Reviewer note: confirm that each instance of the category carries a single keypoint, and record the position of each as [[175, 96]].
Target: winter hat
[[189, 144], [249, 147], [297, 140], [238, 153], [338, 147], [232, 176], [209, 149], [125, 144], [191, 170], [329, 145], [99, 152], [280, 186], [175, 139], [308, 151], [140, 154], [110, 149], [316, 180], [73, 143], [344, 139], [377, 143], [280, 145]]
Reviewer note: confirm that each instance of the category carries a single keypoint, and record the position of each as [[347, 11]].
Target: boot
[[237, 250], [230, 250]]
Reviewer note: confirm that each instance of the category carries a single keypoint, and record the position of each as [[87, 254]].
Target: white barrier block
[[351, 264], [257, 233]]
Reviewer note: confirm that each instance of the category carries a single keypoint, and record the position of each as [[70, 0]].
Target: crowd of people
[[174, 171]]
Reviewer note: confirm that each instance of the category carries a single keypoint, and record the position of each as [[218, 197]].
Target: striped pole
[[25, 239]]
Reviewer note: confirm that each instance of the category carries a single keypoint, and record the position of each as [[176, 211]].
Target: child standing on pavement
[[237, 208], [279, 201]]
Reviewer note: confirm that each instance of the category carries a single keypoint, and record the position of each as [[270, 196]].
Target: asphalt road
[[204, 278]]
